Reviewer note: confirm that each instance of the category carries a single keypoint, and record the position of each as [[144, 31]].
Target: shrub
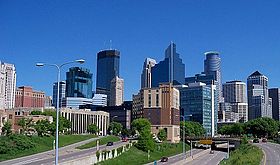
[[97, 155]]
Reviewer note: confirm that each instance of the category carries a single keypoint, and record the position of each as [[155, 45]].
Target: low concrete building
[[81, 118]]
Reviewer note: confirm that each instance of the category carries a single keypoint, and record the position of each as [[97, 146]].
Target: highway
[[271, 153], [207, 158], [65, 154]]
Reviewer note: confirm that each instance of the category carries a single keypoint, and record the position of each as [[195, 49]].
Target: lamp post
[[81, 61], [184, 134], [114, 117]]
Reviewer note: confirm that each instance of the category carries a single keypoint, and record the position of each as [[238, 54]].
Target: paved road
[[207, 159], [176, 158], [65, 154], [272, 151]]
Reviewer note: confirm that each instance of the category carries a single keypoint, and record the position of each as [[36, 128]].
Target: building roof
[[256, 73]]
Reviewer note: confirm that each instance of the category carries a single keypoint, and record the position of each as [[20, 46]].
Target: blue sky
[[246, 33]]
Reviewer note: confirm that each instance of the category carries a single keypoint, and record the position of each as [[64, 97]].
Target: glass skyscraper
[[212, 66], [170, 70], [79, 82], [62, 89], [197, 103], [108, 62], [259, 103]]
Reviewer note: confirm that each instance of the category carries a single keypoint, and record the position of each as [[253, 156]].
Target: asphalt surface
[[271, 153], [177, 158], [65, 154], [208, 159]]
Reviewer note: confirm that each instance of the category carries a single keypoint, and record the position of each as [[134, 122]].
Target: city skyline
[[246, 45]]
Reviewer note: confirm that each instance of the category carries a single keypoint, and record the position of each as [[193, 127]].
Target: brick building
[[26, 97]]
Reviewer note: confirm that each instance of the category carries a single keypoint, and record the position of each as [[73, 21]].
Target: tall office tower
[[62, 90], [198, 103], [117, 92], [259, 103], [108, 62], [234, 93], [170, 70], [79, 83], [274, 93], [146, 76], [7, 85], [212, 66]]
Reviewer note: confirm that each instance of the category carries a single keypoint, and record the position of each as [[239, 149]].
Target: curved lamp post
[[81, 61]]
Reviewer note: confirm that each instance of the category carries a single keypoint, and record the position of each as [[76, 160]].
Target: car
[[256, 141], [164, 159], [264, 140], [110, 143], [212, 152], [124, 139]]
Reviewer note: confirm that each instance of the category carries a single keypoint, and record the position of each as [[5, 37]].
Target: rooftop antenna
[[110, 44]]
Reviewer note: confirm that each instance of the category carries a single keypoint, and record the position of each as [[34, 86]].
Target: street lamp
[[114, 117], [184, 136], [81, 61]]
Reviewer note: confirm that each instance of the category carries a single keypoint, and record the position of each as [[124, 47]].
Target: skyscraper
[[146, 76], [212, 66], [198, 103], [108, 62], [234, 93], [7, 85], [170, 70], [79, 83], [274, 93], [62, 91], [117, 92], [259, 103]]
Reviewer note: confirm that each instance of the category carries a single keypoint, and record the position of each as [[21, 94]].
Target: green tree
[[262, 127], [162, 135], [42, 127], [92, 128], [25, 124], [192, 128], [145, 140], [7, 128], [115, 128]]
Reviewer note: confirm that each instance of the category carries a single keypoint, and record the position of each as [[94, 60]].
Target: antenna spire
[[110, 44]]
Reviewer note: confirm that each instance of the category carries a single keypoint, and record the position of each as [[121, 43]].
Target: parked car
[[110, 143], [264, 140], [212, 152], [164, 159], [256, 141], [124, 139]]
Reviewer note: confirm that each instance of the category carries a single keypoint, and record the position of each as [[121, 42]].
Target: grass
[[246, 154], [137, 157], [44, 144], [102, 141]]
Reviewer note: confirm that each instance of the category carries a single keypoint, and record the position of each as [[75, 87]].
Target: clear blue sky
[[246, 32]]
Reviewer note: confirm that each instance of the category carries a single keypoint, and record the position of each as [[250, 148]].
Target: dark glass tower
[[62, 88], [108, 62], [171, 69], [212, 66], [79, 83]]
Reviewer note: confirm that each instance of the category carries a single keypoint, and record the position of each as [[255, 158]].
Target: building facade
[[26, 97], [75, 102], [138, 105], [212, 66], [116, 92], [108, 62], [146, 76], [198, 103], [259, 103], [274, 93], [7, 85], [120, 114], [170, 70], [234, 93], [80, 119], [48, 102], [79, 83], [99, 100], [62, 92]]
